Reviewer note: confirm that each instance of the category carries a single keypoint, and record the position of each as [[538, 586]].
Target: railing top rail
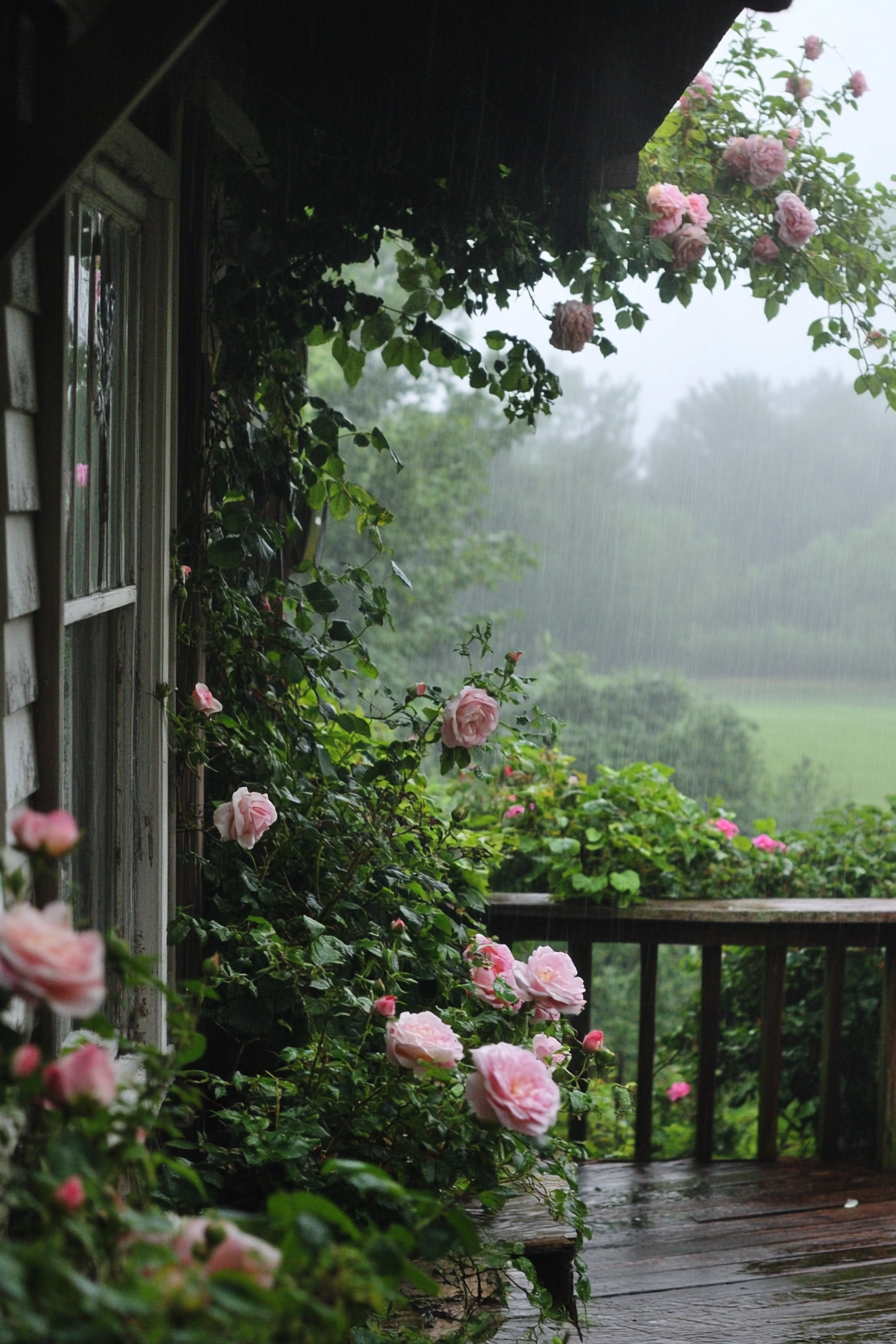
[[746, 911]]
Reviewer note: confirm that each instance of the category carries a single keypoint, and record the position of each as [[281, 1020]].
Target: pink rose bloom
[[667, 206], [204, 701], [572, 325], [25, 1061], [549, 980], [490, 962], [238, 1251], [700, 90], [698, 208], [795, 225], [70, 1194], [516, 811], [414, 1040], [385, 1005], [245, 818], [678, 1091], [858, 83], [82, 474], [735, 156], [768, 159], [799, 86], [469, 718], [53, 833], [513, 1088], [593, 1042], [813, 47], [876, 338], [43, 959], [688, 245], [86, 1072], [769, 844], [728, 828], [549, 1050], [791, 136], [765, 248]]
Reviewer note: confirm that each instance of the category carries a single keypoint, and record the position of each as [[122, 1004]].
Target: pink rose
[[227, 1248], [688, 245], [768, 159], [420, 688], [70, 1194], [769, 844], [398, 925], [698, 208], [765, 248], [799, 86], [42, 958], [735, 156], [549, 980], [876, 338], [858, 83], [490, 962], [385, 1005], [593, 1042], [185, 572], [469, 718], [513, 1088], [549, 1050], [728, 828], [25, 1061], [795, 225], [667, 206], [678, 1091], [813, 47], [86, 1072], [245, 818], [415, 1040], [572, 325], [53, 833], [204, 701], [791, 136], [516, 811]]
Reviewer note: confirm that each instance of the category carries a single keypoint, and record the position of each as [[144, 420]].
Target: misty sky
[[727, 332]]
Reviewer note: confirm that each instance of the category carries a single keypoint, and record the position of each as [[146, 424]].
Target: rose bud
[[593, 1042], [385, 1005], [398, 925], [513, 657], [70, 1194], [25, 1061], [204, 701]]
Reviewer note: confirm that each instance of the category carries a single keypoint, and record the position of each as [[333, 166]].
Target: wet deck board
[[736, 1251]]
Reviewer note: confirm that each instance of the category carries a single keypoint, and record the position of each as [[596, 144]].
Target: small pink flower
[[795, 225], [858, 83], [516, 811], [492, 962], [698, 208], [813, 47], [204, 701], [572, 325], [765, 248], [511, 797], [593, 1042], [53, 833], [265, 604], [42, 958], [82, 474], [513, 1088], [513, 657], [791, 136], [70, 1194], [678, 1091], [688, 245], [798, 86], [768, 159], [25, 1061], [550, 981], [416, 1040], [185, 572], [245, 818], [87, 1072], [769, 844], [531, 807], [385, 1005], [700, 90], [728, 828], [876, 338], [469, 718], [229, 1248], [420, 688], [549, 1050], [667, 206]]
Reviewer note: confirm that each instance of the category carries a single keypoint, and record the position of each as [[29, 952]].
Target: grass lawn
[[849, 730]]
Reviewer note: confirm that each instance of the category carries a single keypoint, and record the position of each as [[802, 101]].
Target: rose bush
[[513, 1088]]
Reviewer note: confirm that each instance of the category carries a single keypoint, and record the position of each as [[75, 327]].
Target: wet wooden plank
[[747, 911]]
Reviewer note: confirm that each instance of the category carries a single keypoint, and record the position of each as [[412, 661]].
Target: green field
[[851, 730]]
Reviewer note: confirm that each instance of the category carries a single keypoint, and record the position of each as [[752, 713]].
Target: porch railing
[[775, 925]]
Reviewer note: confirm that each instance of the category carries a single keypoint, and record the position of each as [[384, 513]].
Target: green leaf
[[495, 340], [627, 880], [376, 330], [226, 553], [400, 574], [393, 352], [417, 302], [353, 366], [320, 598]]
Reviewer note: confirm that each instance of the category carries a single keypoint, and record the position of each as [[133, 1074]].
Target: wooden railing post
[[770, 1053], [646, 1050], [579, 947], [831, 1053], [886, 1077], [710, 1003]]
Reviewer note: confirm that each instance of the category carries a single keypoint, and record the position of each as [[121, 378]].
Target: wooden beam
[[770, 1054], [106, 74], [646, 1051], [579, 949], [886, 1080], [831, 1053], [710, 1002]]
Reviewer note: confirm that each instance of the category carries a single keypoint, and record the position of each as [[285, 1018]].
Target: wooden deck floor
[[736, 1251]]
